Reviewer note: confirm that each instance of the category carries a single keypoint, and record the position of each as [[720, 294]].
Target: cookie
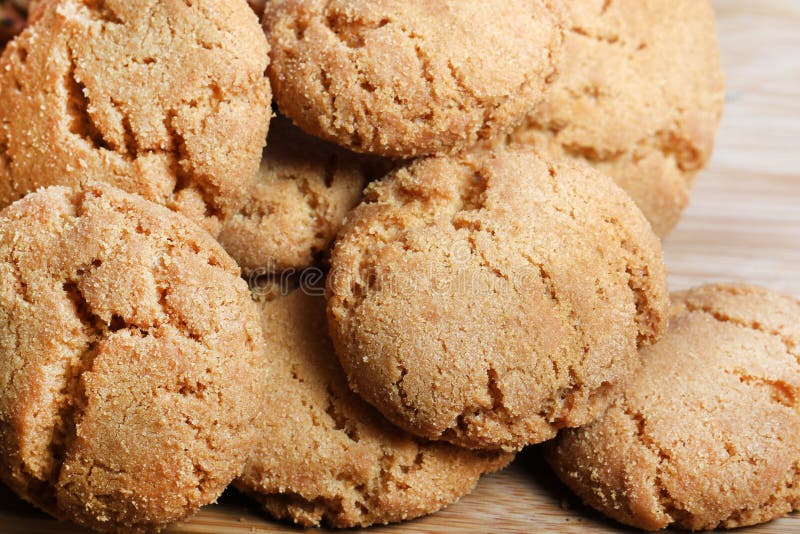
[[131, 378], [492, 299], [707, 435], [297, 202], [328, 457], [12, 21], [169, 102], [639, 97], [405, 79]]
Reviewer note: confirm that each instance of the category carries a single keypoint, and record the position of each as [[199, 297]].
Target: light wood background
[[744, 224]]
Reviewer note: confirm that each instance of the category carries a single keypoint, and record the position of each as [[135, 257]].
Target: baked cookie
[[12, 21], [132, 374], [707, 435], [297, 202], [326, 456], [639, 97], [492, 299], [404, 79], [167, 100]]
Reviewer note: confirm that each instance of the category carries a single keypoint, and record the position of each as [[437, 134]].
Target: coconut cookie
[[297, 202], [405, 79], [707, 435], [132, 374], [328, 457], [493, 299], [169, 102], [639, 97]]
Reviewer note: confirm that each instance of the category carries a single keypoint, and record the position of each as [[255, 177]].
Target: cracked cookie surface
[[132, 372], [707, 435], [325, 455], [405, 79], [491, 299], [162, 98], [639, 97], [297, 202]]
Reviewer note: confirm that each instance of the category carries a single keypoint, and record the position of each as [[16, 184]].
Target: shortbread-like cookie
[[297, 202], [639, 97], [131, 375], [165, 99], [494, 299], [707, 435], [404, 79], [325, 455]]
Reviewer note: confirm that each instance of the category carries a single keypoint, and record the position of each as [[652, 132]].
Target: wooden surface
[[744, 224]]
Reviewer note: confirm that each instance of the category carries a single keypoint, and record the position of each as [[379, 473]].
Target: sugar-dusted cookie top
[[325, 455], [132, 373], [297, 202], [490, 300], [639, 97], [403, 79], [707, 435], [162, 98]]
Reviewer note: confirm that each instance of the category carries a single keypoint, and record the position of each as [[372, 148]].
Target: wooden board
[[744, 224]]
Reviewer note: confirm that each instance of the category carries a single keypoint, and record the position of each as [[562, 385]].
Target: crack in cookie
[[619, 106], [189, 139], [340, 69], [705, 435], [297, 202], [461, 281], [121, 319], [359, 468]]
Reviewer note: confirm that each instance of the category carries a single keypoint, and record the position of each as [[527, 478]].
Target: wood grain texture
[[744, 224]]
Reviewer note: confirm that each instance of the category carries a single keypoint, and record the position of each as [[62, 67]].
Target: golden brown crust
[[164, 99], [325, 455], [405, 79], [492, 299], [297, 202], [131, 377], [707, 435], [639, 97]]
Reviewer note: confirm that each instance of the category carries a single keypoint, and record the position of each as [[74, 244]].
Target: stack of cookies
[[450, 230]]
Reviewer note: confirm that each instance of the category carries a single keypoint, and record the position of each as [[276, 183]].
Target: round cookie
[[707, 435], [132, 374], [297, 202], [639, 97], [406, 79], [326, 456], [492, 299], [169, 102]]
